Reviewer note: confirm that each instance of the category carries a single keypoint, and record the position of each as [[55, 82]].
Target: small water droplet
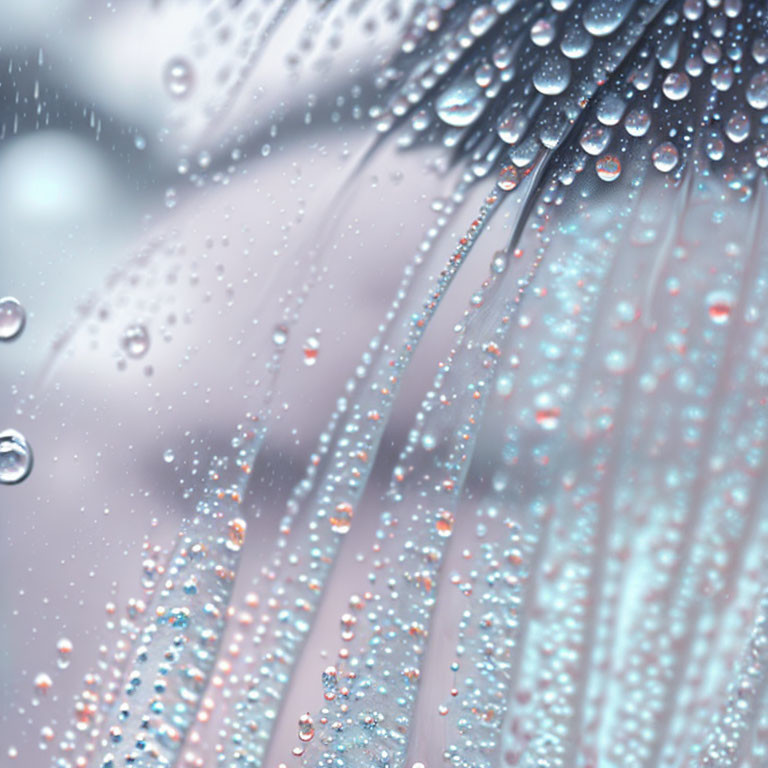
[[737, 128], [12, 318], [341, 519], [15, 457], [608, 168], [135, 341], [512, 127], [444, 523], [178, 77], [311, 348], [43, 682], [306, 728], [280, 335], [508, 178], [64, 652], [719, 306], [665, 157], [168, 456], [236, 539]]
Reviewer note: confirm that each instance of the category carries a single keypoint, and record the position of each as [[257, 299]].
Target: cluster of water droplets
[[502, 80], [15, 452]]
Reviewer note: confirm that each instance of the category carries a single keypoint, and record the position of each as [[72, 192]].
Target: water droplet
[[637, 123], [665, 157], [595, 139], [508, 178], [168, 456], [676, 86], [757, 92], [428, 442], [311, 348], [280, 335], [135, 341], [500, 262], [576, 42], [737, 127], [604, 17], [43, 682], [348, 622], [512, 127], [178, 77], [719, 306], [12, 318], [306, 728], [15, 457], [444, 523], [553, 76], [715, 146], [341, 519], [461, 105], [616, 361], [542, 32], [482, 20], [547, 413], [64, 652], [608, 168], [722, 76], [237, 528]]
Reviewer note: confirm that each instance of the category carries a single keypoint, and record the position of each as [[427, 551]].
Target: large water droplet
[[461, 105], [604, 17], [552, 76], [15, 457], [12, 318], [576, 42], [757, 92], [676, 86], [637, 123]]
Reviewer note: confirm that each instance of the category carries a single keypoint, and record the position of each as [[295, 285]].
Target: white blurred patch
[[53, 178]]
